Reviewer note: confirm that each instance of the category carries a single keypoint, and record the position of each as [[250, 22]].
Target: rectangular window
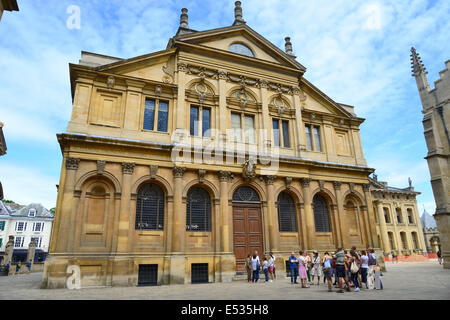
[[163, 116], [2, 225], [206, 122], [38, 241], [286, 140], [276, 133], [21, 226], [236, 127], [31, 212], [414, 236], [38, 227], [1, 242], [194, 121], [249, 123], [18, 242], [161, 109], [308, 137], [149, 114], [148, 275], [317, 139], [199, 273]]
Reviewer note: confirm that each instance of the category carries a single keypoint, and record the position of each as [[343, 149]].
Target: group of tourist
[[349, 269], [253, 266], [6, 267]]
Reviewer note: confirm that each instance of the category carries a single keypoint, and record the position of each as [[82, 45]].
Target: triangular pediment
[[222, 38], [155, 66]]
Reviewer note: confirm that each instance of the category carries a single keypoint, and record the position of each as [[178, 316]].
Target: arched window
[[150, 208], [241, 49], [387, 217], [321, 215], [391, 240], [245, 194], [415, 240], [410, 216], [198, 210], [287, 218], [399, 215]]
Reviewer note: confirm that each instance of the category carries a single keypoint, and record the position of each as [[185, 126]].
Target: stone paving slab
[[404, 280]]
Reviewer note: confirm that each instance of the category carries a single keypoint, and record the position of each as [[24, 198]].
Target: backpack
[[327, 264], [373, 261], [334, 264]]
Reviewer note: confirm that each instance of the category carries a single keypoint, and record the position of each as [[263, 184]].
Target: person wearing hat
[[315, 270]]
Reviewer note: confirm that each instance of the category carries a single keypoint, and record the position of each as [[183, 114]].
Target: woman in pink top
[[302, 261]]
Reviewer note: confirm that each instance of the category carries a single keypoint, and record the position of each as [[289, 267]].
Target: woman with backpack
[[255, 267], [327, 269], [364, 267], [354, 269]]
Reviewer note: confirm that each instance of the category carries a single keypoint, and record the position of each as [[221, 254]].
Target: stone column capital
[[366, 187], [225, 176], [128, 168], [178, 172], [337, 185], [101, 166], [72, 163], [182, 66], [305, 182], [270, 179], [222, 74]]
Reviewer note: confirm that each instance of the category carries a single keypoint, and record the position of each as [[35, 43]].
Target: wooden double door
[[247, 233]]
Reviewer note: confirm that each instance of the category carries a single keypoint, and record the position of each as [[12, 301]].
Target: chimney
[[288, 47], [238, 20], [184, 19]]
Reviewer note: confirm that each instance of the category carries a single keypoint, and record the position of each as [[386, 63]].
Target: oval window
[[241, 49]]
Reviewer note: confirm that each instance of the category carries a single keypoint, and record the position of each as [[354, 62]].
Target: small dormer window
[[239, 48], [32, 212]]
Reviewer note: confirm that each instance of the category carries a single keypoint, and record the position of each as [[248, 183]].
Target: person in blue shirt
[[29, 264], [293, 264]]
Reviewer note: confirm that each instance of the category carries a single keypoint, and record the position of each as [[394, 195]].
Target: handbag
[[354, 268]]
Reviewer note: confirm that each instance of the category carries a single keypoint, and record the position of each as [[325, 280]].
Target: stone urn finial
[[184, 19], [238, 14]]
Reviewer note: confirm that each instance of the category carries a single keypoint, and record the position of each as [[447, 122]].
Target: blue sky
[[357, 52]]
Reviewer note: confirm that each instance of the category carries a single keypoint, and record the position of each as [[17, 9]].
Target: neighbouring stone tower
[[436, 120]]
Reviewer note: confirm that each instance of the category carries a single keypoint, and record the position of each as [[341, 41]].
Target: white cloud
[[27, 185]]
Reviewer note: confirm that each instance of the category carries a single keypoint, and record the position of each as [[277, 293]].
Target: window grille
[[321, 215], [149, 114], [150, 208], [148, 275], [38, 227], [199, 273], [163, 116], [18, 242], [287, 217], [245, 194], [198, 210], [308, 137], [286, 140], [21, 226], [156, 114]]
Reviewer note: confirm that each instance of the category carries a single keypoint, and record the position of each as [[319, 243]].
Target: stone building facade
[[436, 122], [397, 219], [430, 232], [282, 170], [8, 5]]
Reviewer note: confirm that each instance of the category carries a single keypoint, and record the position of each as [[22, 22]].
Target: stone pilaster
[[371, 217], [309, 214], [339, 214], [179, 223], [274, 232], [265, 113], [181, 107], [124, 215], [63, 226], [383, 230]]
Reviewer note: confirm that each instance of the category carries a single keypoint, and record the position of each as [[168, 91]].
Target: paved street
[[405, 280]]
